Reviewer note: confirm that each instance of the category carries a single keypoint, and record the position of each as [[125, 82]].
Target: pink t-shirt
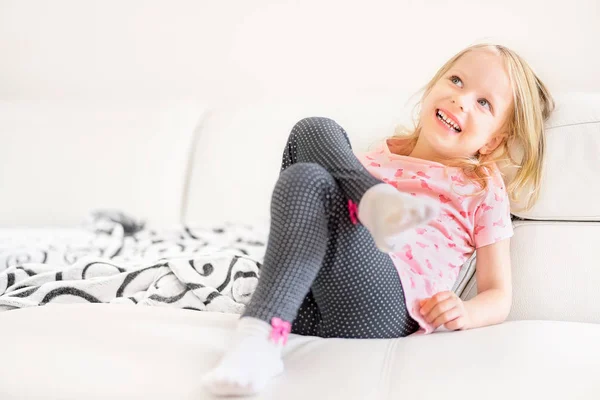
[[432, 257]]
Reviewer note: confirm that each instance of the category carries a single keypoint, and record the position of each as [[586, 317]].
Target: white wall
[[242, 48], [99, 55]]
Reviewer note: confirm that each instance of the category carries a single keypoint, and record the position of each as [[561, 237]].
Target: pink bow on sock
[[353, 211], [281, 329]]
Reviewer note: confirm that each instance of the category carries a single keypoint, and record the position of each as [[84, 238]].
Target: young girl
[[370, 245]]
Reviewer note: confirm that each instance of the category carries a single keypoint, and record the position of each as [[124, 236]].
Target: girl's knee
[[312, 125], [306, 175]]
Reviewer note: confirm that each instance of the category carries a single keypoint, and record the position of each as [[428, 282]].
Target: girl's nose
[[460, 103]]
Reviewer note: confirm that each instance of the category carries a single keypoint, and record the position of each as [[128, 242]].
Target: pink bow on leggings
[[353, 211], [281, 329]]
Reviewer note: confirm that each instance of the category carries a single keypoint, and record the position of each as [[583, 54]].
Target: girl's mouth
[[447, 121]]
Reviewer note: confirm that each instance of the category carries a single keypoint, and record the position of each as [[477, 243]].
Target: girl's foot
[[387, 212], [251, 361]]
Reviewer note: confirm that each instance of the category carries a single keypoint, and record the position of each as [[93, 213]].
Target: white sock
[[249, 363], [387, 212]]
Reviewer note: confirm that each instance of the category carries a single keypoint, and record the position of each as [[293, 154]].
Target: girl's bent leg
[[382, 209], [309, 251], [298, 241], [323, 141]]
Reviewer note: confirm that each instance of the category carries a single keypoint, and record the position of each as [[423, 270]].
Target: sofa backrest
[[61, 159], [238, 151], [237, 157]]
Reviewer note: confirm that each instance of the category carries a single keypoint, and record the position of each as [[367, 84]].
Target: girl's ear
[[493, 143]]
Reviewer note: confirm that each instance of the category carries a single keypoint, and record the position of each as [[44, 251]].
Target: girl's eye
[[455, 79], [485, 103]]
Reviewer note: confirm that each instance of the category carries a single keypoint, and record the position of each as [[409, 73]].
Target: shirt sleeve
[[492, 217]]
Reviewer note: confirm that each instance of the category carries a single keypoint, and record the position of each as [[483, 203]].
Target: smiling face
[[467, 108]]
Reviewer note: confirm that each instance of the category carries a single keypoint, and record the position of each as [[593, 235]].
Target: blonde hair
[[533, 104]]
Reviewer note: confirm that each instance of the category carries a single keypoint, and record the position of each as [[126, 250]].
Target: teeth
[[450, 122]]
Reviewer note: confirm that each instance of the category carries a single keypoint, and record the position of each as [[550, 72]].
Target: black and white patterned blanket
[[115, 259]]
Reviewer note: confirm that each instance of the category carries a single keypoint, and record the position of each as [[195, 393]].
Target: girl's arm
[[494, 286]]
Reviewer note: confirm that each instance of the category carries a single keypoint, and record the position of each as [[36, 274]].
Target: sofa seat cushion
[[97, 351]]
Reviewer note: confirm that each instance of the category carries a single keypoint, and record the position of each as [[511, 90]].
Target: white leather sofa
[[220, 162]]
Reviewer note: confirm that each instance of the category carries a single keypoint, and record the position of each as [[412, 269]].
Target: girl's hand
[[445, 308]]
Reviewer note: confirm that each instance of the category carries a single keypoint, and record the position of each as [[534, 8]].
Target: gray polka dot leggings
[[322, 270]]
